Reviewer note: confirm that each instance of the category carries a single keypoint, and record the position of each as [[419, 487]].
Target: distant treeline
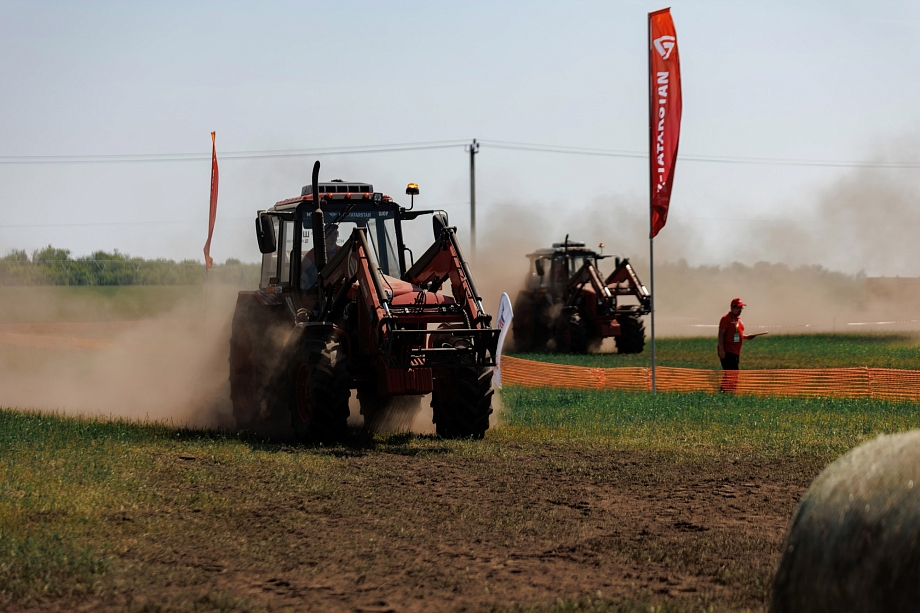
[[52, 266]]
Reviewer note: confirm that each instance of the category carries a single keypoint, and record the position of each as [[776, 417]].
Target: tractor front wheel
[[462, 402], [632, 335], [321, 388]]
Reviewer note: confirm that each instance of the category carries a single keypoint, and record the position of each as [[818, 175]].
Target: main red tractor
[[569, 307], [340, 308]]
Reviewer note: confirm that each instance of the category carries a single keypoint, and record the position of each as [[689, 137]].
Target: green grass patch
[[704, 422], [46, 564], [769, 352]]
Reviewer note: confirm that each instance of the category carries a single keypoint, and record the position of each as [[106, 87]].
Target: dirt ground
[[402, 529]]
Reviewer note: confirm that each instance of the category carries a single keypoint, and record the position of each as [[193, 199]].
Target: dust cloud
[[170, 367], [71, 353]]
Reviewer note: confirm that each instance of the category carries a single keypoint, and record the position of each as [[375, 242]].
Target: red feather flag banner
[[664, 106], [208, 262], [664, 113]]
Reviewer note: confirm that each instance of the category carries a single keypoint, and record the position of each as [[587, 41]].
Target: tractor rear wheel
[[319, 398], [462, 402], [245, 376], [252, 381], [632, 335]]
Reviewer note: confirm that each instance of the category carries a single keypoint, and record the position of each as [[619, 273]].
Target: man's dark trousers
[[730, 361], [730, 378]]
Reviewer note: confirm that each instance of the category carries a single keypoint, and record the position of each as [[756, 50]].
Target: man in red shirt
[[731, 336]]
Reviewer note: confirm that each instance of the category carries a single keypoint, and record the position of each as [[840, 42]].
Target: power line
[[428, 145], [120, 223], [498, 144], [227, 155], [719, 159]]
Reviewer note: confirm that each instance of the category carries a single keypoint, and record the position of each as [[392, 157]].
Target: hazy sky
[[794, 80]]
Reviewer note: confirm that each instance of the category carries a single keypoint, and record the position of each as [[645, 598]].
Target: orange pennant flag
[[208, 262]]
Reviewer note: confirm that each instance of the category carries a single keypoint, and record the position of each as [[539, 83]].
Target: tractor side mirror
[[439, 222], [265, 234], [538, 263]]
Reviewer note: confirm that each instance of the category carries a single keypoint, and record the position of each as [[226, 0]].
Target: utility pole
[[473, 149]]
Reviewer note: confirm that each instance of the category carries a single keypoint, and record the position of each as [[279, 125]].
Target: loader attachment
[[624, 281], [587, 275], [401, 330], [448, 347]]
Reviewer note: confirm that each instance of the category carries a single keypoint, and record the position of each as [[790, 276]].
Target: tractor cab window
[[379, 224], [575, 263], [336, 235], [270, 261], [382, 235], [286, 244], [559, 275]]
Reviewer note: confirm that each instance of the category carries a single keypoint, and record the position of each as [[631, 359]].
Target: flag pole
[[651, 194]]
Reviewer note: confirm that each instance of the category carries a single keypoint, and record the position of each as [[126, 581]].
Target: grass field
[[779, 351], [704, 423], [145, 517]]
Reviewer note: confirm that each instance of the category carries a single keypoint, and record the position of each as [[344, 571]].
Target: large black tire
[[522, 326], [571, 334], [383, 413], [253, 380], [245, 375], [320, 389], [632, 335], [462, 402]]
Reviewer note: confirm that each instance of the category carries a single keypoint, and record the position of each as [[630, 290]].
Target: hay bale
[[854, 540]]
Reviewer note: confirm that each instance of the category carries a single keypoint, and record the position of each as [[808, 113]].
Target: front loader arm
[[625, 282], [587, 274], [355, 262], [444, 261]]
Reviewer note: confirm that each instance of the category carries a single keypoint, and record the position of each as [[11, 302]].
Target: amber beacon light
[[412, 191]]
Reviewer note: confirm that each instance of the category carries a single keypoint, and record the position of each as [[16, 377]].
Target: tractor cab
[[347, 206], [551, 269]]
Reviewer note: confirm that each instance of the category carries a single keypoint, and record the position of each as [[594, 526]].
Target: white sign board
[[502, 322]]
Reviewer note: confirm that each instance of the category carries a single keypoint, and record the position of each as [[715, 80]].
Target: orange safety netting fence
[[876, 383]]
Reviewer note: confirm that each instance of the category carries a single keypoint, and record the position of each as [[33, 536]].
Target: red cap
[[736, 302]]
